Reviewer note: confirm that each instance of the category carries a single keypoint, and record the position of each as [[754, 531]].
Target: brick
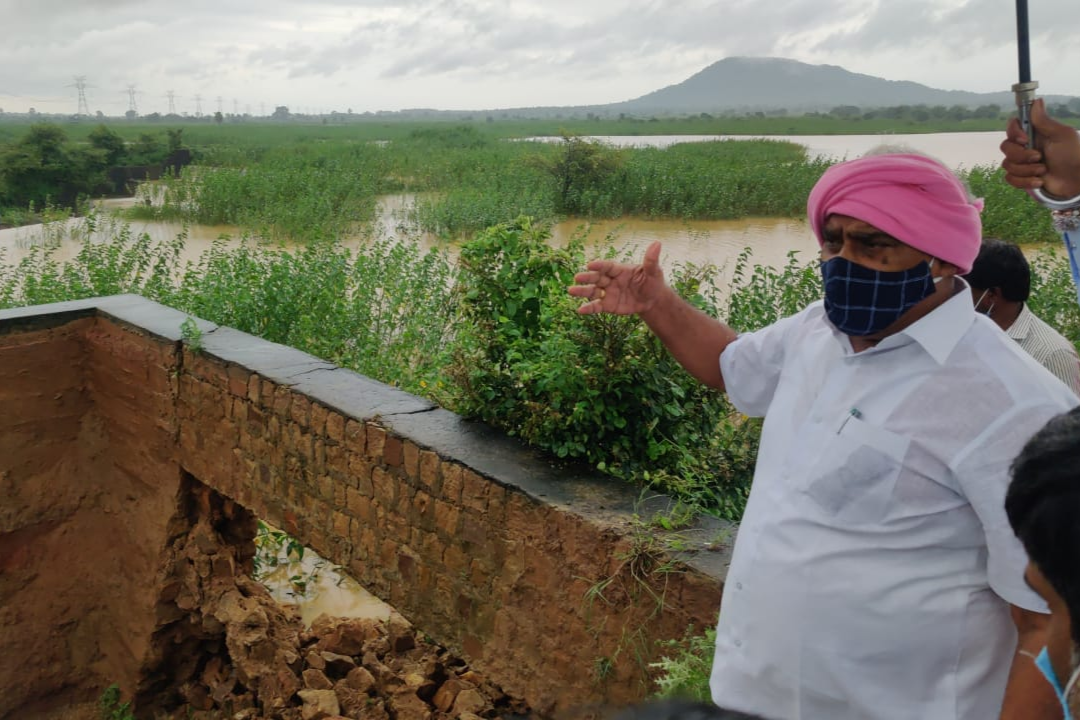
[[496, 504], [360, 474], [376, 440], [411, 459], [238, 380], [336, 462], [452, 480], [385, 486], [423, 510], [429, 470], [341, 524], [474, 491], [325, 485], [456, 560], [319, 413], [267, 394], [254, 389], [335, 427], [393, 452], [300, 410], [447, 518], [282, 398], [358, 505]]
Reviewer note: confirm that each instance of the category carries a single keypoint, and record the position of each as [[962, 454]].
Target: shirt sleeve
[[751, 365], [983, 475], [1066, 366]]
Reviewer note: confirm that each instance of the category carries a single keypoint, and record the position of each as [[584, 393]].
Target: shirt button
[[738, 643], [738, 586]]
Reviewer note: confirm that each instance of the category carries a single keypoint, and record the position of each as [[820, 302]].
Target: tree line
[[44, 168]]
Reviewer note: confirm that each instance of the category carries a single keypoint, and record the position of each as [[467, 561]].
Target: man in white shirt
[[874, 574], [1000, 281]]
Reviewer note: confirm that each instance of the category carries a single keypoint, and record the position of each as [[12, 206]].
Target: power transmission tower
[[172, 101], [198, 106], [80, 85], [131, 101], [219, 104], [235, 107]]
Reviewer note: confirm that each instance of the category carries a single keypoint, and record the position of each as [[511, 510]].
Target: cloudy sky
[[368, 55]]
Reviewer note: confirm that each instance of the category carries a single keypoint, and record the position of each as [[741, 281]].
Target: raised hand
[[620, 288]]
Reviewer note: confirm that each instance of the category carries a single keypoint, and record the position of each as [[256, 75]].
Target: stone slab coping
[[489, 452]]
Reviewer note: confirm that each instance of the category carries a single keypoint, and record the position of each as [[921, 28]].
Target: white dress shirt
[[874, 563]]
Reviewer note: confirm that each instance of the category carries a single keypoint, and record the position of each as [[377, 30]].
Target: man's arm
[[1028, 696], [692, 337]]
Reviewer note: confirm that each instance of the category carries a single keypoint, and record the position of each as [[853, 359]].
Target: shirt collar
[[1021, 325], [937, 332]]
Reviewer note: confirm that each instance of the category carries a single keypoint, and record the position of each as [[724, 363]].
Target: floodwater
[[957, 150], [318, 587], [718, 242]]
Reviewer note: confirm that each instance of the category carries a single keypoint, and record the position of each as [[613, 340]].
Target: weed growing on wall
[[684, 672]]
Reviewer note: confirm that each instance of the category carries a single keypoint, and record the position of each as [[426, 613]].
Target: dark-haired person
[[1043, 506], [1000, 281], [874, 575]]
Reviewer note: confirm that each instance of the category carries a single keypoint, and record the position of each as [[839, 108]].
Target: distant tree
[[987, 111], [175, 139], [218, 117], [281, 112], [131, 115], [40, 168], [146, 150], [581, 165], [109, 143], [845, 111]]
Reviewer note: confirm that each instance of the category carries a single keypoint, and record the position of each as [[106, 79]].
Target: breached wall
[[542, 577]]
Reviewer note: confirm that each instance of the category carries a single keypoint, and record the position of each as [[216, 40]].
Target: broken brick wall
[[538, 576]]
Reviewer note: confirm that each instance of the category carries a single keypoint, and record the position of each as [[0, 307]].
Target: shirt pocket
[[855, 475]]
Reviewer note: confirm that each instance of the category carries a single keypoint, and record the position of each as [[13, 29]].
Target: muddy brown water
[[718, 242]]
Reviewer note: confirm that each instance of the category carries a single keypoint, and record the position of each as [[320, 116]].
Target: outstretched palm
[[620, 288]]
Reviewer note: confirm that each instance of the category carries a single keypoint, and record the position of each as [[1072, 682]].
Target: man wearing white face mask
[[1043, 506], [1000, 281], [874, 575]]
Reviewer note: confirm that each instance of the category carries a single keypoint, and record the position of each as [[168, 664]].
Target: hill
[[751, 84]]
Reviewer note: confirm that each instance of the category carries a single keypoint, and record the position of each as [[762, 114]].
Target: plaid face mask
[[860, 301]]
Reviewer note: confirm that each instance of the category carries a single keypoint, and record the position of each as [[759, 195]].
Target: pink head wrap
[[915, 199]]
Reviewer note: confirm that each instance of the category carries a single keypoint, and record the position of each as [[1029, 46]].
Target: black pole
[[1022, 44]]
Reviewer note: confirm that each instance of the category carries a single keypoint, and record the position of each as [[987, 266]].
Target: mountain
[[751, 84]]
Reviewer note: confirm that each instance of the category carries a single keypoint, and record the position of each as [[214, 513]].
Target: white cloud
[[480, 54]]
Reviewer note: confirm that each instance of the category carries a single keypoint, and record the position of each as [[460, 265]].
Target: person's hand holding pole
[[1053, 164]]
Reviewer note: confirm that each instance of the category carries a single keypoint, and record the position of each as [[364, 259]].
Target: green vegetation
[[685, 672], [110, 707], [44, 170]]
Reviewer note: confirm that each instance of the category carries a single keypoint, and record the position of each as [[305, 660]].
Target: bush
[[600, 388]]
